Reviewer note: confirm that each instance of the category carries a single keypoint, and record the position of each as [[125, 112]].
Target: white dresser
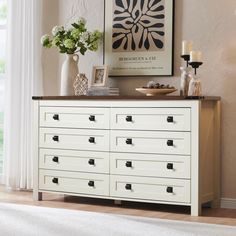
[[144, 149]]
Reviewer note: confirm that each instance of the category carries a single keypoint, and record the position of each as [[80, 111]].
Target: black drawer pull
[[128, 164], [128, 187], [129, 118], [56, 117], [169, 190], [92, 140], [91, 183], [92, 118], [55, 180], [91, 162], [170, 166], [170, 119], [129, 141], [55, 138], [55, 159], [170, 143]]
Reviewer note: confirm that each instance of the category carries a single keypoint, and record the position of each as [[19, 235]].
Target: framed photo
[[100, 76], [139, 37]]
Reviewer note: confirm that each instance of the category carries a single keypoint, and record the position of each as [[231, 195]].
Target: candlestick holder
[[195, 65], [195, 85], [186, 58]]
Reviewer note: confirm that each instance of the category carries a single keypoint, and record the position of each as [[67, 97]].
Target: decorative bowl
[[155, 91]]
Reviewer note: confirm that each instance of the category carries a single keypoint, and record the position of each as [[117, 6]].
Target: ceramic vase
[[69, 71]]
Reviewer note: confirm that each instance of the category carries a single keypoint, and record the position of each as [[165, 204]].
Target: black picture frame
[[162, 64]]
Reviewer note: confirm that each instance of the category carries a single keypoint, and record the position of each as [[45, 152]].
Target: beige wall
[[50, 57], [210, 24]]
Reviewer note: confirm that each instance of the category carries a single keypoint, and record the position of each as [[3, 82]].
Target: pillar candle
[[195, 56], [187, 47]]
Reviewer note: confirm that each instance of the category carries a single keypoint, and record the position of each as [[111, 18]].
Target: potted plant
[[73, 41]]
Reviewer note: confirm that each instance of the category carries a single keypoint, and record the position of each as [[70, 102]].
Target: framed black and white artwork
[[139, 37]]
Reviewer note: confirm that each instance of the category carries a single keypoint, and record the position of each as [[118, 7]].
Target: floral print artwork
[[138, 25]]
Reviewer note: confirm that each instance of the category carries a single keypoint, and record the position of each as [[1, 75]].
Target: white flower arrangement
[[73, 40]]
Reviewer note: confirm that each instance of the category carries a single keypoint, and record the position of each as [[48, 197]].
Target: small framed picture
[[100, 76]]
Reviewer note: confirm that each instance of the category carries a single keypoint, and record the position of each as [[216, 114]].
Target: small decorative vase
[[81, 85], [195, 87], [69, 71], [185, 80]]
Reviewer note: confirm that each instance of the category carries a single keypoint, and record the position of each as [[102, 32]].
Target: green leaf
[[75, 25], [83, 50], [62, 50]]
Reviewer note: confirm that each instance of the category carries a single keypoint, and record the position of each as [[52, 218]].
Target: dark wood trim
[[139, 98]]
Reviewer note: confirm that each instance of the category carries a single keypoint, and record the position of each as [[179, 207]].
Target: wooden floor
[[215, 216]]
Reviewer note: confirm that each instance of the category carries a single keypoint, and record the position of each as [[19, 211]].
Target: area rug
[[21, 220]]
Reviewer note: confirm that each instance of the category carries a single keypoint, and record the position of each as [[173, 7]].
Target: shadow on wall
[[127, 85]]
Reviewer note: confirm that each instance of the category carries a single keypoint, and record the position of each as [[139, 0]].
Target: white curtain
[[22, 81]]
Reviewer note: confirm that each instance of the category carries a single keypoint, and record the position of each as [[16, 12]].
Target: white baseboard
[[228, 203]]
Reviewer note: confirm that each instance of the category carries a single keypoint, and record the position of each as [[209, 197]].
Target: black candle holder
[[186, 58], [195, 65]]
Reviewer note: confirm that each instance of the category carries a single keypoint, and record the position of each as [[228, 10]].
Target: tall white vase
[[69, 71]]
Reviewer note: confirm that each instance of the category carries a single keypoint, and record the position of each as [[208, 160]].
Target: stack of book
[[103, 91], [114, 91]]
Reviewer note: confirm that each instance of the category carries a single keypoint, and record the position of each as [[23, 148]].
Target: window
[[3, 21]]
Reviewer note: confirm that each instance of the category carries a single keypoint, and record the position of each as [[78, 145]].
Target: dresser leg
[[117, 202], [196, 210], [37, 196]]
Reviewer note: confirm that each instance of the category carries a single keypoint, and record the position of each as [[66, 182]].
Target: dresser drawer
[[168, 190], [67, 160], [150, 142], [74, 117], [172, 119], [72, 182], [78, 139], [150, 165]]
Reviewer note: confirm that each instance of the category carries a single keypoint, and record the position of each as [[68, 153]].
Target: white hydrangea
[[85, 36], [45, 38], [82, 21], [57, 29]]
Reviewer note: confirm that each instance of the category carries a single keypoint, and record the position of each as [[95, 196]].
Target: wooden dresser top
[[130, 98]]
